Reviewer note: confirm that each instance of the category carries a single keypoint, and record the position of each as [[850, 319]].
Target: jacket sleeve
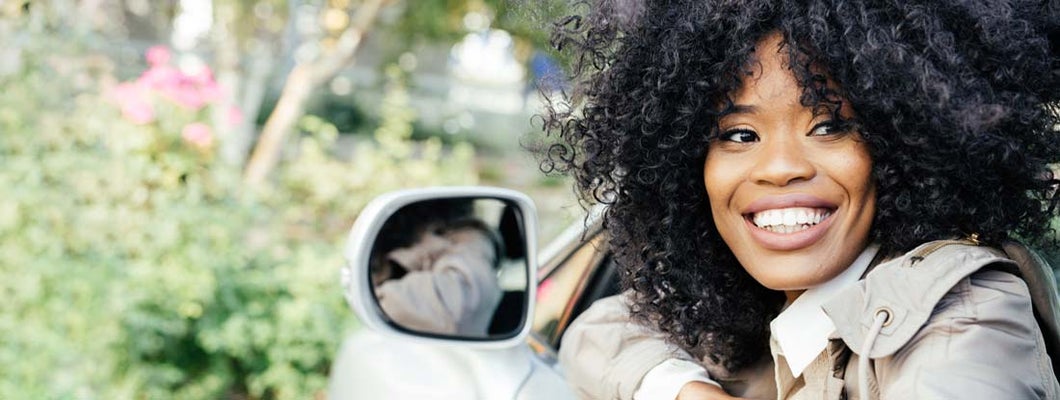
[[442, 297], [982, 342], [605, 355]]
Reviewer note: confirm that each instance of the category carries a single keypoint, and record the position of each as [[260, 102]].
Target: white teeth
[[789, 220], [790, 216]]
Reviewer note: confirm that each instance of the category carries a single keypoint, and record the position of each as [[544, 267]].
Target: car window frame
[[591, 233]]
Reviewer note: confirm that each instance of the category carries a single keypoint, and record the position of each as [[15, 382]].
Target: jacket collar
[[801, 331]]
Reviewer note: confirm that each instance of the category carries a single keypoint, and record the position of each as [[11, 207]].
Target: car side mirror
[[444, 263]]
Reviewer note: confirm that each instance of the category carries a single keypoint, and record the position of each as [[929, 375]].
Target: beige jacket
[[960, 326], [451, 286]]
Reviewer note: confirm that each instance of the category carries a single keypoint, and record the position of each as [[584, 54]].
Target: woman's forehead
[[770, 78]]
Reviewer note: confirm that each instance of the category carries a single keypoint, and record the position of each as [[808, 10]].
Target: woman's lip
[[789, 241], [787, 201]]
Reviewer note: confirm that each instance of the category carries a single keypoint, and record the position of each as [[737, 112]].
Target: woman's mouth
[[789, 220]]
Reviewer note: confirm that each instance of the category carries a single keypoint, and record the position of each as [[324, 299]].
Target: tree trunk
[[303, 79], [288, 109], [254, 86]]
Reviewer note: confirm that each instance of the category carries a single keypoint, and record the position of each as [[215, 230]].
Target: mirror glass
[[453, 267]]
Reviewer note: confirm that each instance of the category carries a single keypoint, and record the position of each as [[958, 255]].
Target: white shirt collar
[[802, 329]]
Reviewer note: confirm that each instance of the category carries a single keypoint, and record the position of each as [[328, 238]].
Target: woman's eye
[[829, 128], [739, 136]]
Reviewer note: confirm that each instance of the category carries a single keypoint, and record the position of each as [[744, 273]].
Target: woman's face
[[790, 191]]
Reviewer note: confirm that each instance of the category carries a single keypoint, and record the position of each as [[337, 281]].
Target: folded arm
[[605, 355]]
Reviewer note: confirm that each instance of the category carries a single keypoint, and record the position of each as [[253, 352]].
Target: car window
[[558, 293]]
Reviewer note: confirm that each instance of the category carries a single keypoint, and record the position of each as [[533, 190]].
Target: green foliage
[[135, 267], [340, 111], [432, 20], [442, 20], [253, 17], [531, 20], [327, 187]]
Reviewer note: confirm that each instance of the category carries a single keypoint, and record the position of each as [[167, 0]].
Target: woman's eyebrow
[[740, 109]]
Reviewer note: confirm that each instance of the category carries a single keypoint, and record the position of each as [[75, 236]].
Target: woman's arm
[[606, 356]]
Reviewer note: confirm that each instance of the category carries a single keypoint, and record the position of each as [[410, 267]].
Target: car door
[[577, 269]]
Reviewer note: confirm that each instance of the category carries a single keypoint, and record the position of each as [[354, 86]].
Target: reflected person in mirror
[[434, 269]]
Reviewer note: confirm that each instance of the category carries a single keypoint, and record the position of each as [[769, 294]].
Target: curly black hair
[[957, 100]]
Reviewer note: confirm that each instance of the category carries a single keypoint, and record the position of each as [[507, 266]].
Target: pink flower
[[158, 55], [160, 77], [198, 134], [188, 91], [138, 112], [186, 96], [235, 116], [134, 101], [208, 88]]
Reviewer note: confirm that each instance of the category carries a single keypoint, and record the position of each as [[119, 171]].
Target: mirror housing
[[357, 283]]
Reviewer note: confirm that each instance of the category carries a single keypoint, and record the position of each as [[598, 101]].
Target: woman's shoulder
[[956, 312], [909, 288], [975, 281], [986, 293], [983, 329]]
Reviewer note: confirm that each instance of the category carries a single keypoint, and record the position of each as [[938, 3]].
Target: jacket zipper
[[972, 239]]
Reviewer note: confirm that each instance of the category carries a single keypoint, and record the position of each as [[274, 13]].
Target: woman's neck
[[792, 295]]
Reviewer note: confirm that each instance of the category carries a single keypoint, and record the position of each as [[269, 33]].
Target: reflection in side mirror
[[452, 267]]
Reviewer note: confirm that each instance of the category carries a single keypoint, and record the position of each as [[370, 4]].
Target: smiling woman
[[774, 169]]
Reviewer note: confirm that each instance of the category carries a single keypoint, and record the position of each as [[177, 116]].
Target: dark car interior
[[509, 315]]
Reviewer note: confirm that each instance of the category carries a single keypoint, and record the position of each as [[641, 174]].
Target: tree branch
[[301, 83]]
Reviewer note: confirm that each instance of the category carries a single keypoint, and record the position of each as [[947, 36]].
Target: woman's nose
[[782, 162]]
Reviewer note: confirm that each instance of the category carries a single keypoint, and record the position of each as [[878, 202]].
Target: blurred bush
[[135, 265]]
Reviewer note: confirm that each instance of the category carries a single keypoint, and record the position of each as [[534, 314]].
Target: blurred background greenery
[[178, 175]]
